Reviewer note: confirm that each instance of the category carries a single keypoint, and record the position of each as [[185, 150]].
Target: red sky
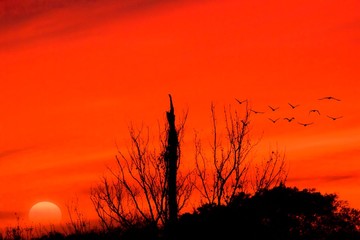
[[75, 75]]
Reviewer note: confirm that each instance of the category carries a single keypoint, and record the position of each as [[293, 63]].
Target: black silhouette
[[161, 191], [305, 124], [274, 120], [293, 106], [334, 118], [273, 108], [315, 111], [245, 123], [256, 112], [329, 98], [289, 119], [280, 213], [171, 158], [241, 102]]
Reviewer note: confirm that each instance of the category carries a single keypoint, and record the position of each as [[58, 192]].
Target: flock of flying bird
[[293, 106]]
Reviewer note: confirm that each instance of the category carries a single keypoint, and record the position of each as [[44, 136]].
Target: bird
[[273, 108], [240, 102], [315, 111], [256, 112], [273, 120], [329, 98], [289, 119], [293, 106], [334, 118], [305, 124]]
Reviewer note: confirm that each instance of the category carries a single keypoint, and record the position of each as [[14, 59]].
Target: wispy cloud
[[324, 178], [10, 152], [27, 20], [17, 11]]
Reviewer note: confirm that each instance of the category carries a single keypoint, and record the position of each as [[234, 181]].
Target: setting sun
[[45, 213]]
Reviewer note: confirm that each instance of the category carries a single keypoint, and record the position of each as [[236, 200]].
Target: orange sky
[[74, 75]]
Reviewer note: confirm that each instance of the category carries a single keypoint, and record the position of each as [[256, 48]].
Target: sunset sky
[[75, 74]]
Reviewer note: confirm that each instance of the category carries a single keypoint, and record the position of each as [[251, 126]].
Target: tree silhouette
[[146, 187], [278, 213], [223, 173], [171, 159], [270, 172], [226, 171]]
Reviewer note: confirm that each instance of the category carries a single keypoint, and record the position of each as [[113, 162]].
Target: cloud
[[17, 11], [10, 152], [338, 177], [24, 21], [326, 178]]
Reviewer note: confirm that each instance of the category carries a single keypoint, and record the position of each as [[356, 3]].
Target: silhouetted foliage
[[277, 213], [78, 223], [52, 236]]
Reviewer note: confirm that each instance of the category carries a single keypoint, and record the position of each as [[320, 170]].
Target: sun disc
[[45, 213]]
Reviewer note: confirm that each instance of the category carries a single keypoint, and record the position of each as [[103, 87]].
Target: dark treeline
[[274, 214]]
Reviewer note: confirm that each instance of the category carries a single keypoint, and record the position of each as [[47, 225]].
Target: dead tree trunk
[[171, 160]]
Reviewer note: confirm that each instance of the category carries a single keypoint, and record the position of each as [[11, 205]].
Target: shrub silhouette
[[277, 213]]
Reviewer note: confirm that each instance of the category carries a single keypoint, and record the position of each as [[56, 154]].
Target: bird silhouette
[[273, 120], [305, 124], [334, 118], [289, 119], [256, 112], [293, 106], [315, 111], [329, 98], [273, 108], [240, 102]]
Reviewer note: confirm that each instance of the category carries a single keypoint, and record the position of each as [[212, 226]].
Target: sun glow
[[45, 213]]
